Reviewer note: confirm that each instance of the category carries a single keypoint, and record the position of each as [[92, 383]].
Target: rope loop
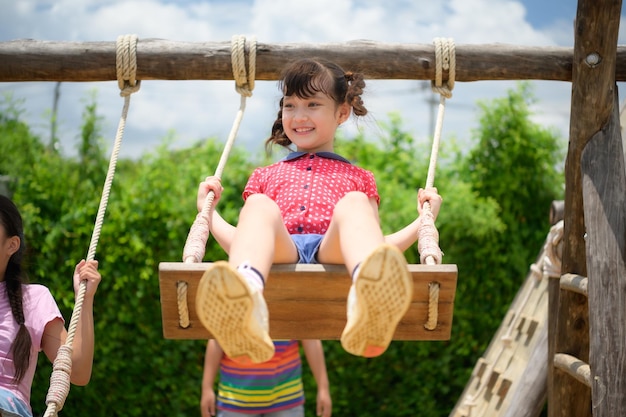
[[182, 289], [126, 64], [60, 378], [445, 59], [244, 78], [428, 239], [433, 306]]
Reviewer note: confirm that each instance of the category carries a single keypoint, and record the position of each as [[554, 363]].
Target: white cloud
[[198, 109]]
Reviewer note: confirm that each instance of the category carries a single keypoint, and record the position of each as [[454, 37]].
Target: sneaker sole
[[384, 289], [225, 307]]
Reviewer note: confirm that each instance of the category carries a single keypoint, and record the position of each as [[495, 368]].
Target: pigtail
[[278, 136], [356, 84], [20, 349]]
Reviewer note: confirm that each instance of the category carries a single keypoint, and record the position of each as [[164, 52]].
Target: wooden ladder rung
[[574, 283], [574, 367]]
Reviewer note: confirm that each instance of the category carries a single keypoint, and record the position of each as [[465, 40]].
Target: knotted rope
[[428, 236], [195, 245], [126, 62]]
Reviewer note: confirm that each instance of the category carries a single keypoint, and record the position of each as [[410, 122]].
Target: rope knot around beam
[[126, 64], [445, 59], [244, 78]]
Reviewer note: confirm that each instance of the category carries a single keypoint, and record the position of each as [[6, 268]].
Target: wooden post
[[593, 84], [604, 190]]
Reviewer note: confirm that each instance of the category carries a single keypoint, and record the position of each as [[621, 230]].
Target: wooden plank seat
[[309, 301]]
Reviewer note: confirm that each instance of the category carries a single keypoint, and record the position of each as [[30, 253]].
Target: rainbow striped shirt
[[265, 387]]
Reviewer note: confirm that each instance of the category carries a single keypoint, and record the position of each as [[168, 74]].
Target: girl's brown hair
[[306, 77], [11, 221]]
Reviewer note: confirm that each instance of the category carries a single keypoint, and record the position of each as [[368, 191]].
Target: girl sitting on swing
[[313, 206]]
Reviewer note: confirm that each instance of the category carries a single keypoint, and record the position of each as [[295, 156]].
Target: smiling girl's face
[[310, 123]]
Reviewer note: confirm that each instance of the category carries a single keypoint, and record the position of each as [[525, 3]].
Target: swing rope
[[244, 84], [195, 245], [126, 62], [428, 236]]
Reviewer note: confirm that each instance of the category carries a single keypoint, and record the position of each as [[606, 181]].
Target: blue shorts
[[307, 245], [11, 406]]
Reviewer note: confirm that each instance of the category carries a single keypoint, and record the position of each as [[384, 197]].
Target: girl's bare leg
[[229, 301], [354, 231], [382, 289], [261, 238]]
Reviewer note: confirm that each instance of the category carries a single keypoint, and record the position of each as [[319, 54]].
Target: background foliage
[[493, 223]]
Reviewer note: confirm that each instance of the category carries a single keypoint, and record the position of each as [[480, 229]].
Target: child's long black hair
[[11, 221]]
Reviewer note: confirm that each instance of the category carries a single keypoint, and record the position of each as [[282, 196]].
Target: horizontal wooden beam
[[159, 59]]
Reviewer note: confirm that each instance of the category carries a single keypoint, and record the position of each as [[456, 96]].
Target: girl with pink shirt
[[32, 322], [313, 206]]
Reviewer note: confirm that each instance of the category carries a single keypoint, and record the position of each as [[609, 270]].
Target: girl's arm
[[55, 333], [315, 357], [222, 231], [407, 236], [212, 359]]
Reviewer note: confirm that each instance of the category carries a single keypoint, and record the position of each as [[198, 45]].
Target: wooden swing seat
[[308, 301]]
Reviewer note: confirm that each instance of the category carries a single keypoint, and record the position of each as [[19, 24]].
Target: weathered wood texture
[[604, 190], [557, 210], [309, 301], [510, 378], [574, 367], [569, 314], [158, 59], [593, 88]]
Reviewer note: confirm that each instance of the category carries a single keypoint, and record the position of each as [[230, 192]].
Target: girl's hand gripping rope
[[211, 183], [434, 199]]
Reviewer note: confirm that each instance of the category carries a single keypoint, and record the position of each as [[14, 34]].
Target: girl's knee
[[352, 199], [352, 202], [261, 205], [258, 200]]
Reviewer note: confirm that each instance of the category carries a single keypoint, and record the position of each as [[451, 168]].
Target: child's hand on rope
[[429, 194], [209, 184], [87, 271]]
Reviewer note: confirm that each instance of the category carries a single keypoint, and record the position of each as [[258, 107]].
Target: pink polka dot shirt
[[307, 186]]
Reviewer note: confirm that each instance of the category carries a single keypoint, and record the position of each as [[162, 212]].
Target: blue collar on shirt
[[328, 155]]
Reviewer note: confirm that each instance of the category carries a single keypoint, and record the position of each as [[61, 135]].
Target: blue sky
[[542, 13], [191, 110]]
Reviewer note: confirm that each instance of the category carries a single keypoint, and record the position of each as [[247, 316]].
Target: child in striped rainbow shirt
[[269, 389]]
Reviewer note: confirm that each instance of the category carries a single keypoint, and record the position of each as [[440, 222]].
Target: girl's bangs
[[305, 82]]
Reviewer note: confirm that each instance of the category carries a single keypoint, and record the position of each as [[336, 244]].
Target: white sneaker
[[234, 314], [378, 299]]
